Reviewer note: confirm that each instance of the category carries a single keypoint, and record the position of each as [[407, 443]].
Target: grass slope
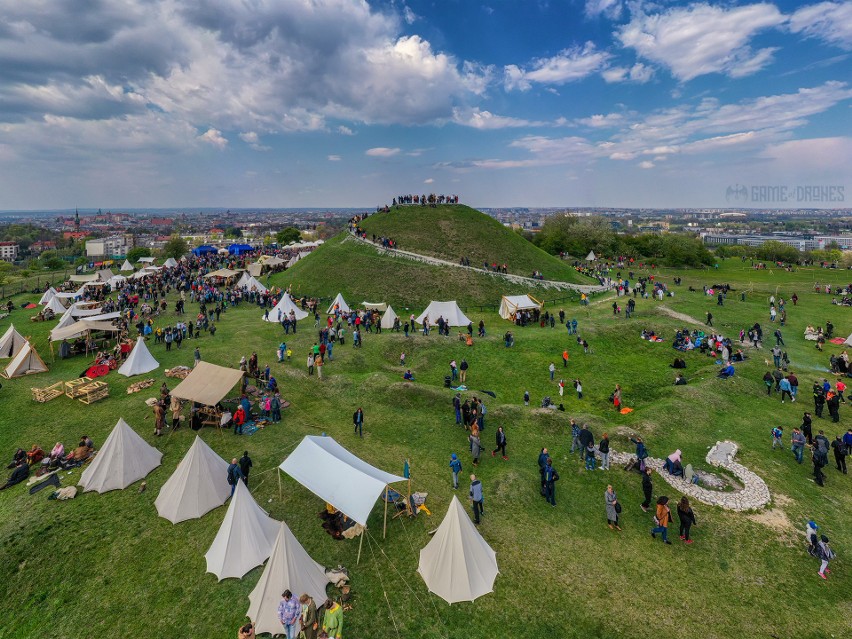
[[451, 231], [343, 265], [107, 564]]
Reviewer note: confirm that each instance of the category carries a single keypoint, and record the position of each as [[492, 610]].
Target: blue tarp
[[203, 250], [238, 249]]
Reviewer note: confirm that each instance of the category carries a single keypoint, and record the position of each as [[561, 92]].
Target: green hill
[[360, 272], [452, 231]]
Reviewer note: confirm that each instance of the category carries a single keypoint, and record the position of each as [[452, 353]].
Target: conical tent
[[285, 305], [48, 295], [245, 538], [458, 564], [170, 263], [848, 341], [591, 257], [55, 305], [139, 362], [11, 343], [340, 303], [289, 568], [123, 459], [388, 318], [198, 485], [249, 282], [26, 362], [450, 311], [127, 266]]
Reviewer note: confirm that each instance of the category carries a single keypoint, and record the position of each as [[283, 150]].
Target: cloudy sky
[[280, 103]]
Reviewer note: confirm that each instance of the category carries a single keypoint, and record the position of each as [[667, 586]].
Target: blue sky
[[280, 103]]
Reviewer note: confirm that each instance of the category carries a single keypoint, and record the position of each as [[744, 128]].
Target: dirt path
[[683, 317]]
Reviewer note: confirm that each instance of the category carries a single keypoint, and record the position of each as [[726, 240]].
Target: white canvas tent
[[11, 343], [245, 538], [207, 384], [340, 303], [291, 568], [47, 296], [511, 304], [117, 281], [127, 266], [848, 341], [198, 485], [145, 260], [285, 305], [123, 459], [139, 362], [249, 282], [591, 257], [375, 306], [26, 362], [458, 564], [105, 275], [388, 318], [450, 311], [170, 263], [55, 305]]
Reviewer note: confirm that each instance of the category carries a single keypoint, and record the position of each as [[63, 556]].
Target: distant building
[[9, 251], [106, 247], [40, 246], [75, 235]]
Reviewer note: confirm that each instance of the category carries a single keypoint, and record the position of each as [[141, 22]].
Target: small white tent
[[285, 305], [11, 343], [248, 282], [123, 459], [55, 305], [450, 311], [848, 341], [458, 564], [340, 303], [139, 362], [290, 568], [245, 538], [198, 485], [26, 362], [127, 266], [48, 295], [170, 263], [511, 304], [591, 257], [388, 318]]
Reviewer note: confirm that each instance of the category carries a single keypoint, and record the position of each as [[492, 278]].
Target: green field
[[107, 565]]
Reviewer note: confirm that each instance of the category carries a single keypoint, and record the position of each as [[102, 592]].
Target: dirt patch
[[777, 520], [683, 317]]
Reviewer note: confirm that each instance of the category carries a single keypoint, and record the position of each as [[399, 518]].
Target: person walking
[[332, 621], [197, 355], [786, 389], [552, 370], [245, 466], [565, 358], [662, 519], [456, 468], [550, 478], [234, 475], [463, 368], [475, 445], [603, 449], [612, 508], [501, 443], [308, 620], [289, 611], [825, 554], [840, 453], [833, 403], [578, 386], [476, 498], [310, 363], [543, 456], [709, 320], [797, 444], [358, 420], [647, 488], [616, 397], [454, 371], [686, 517], [575, 438]]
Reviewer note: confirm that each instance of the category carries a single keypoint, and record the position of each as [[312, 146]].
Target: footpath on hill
[[515, 279]]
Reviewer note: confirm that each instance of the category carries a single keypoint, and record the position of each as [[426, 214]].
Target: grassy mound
[[343, 265], [452, 231]]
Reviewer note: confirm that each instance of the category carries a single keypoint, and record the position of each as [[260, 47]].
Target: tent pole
[[360, 543], [278, 472], [385, 526]]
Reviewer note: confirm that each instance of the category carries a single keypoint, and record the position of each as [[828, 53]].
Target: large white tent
[[198, 485], [11, 343], [248, 282], [388, 318], [48, 295], [139, 362], [127, 266], [375, 306], [337, 476], [55, 305], [511, 304], [170, 263], [26, 362], [591, 257], [285, 305], [340, 303], [458, 564], [245, 538], [450, 311], [291, 568], [123, 459]]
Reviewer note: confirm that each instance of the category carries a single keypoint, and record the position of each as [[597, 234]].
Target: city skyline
[[345, 104]]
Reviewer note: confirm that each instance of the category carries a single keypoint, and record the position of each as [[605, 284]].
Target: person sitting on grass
[[20, 474], [726, 372], [408, 376], [674, 465]]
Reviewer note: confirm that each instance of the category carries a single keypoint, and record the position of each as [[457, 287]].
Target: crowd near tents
[[450, 311], [511, 304]]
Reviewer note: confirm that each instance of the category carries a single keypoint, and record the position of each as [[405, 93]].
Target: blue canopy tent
[[239, 249], [203, 250]]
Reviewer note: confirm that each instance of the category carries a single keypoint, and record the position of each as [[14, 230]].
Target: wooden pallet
[[93, 392], [50, 392], [72, 388]]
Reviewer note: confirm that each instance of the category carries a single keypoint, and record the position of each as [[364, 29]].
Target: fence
[[34, 282]]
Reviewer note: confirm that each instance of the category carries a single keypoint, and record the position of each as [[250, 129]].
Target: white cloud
[[334, 158], [609, 8], [646, 164], [485, 120], [569, 65], [638, 73], [345, 130], [214, 137], [409, 16], [253, 140], [700, 39], [817, 154], [828, 21], [601, 120], [381, 152], [428, 181]]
